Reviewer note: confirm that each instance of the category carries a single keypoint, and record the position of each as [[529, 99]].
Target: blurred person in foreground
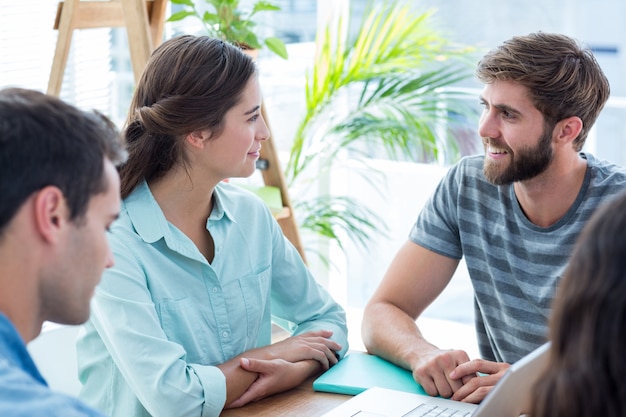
[[59, 193], [586, 365]]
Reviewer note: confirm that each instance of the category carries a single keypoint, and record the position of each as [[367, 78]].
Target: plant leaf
[[264, 6], [231, 24], [277, 46], [387, 91], [180, 16], [330, 216]]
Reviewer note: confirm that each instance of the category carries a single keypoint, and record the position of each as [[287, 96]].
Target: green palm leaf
[[386, 61], [390, 88], [329, 216]]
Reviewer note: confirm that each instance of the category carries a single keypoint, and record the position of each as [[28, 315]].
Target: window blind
[[28, 41]]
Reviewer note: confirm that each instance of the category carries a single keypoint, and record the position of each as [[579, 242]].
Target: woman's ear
[[568, 129], [198, 138]]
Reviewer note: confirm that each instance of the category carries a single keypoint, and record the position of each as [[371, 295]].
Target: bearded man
[[513, 213]]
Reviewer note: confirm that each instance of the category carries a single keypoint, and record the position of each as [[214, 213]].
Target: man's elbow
[[371, 322]]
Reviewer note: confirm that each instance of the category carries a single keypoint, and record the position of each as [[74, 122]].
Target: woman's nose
[[264, 131]]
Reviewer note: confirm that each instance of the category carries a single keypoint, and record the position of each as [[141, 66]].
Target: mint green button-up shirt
[[163, 317]]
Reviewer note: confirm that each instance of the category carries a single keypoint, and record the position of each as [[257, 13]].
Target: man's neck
[[24, 321], [546, 198], [19, 298]]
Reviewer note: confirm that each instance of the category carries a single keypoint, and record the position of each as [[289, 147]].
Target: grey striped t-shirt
[[514, 265]]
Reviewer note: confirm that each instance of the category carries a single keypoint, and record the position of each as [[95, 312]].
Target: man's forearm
[[390, 333]]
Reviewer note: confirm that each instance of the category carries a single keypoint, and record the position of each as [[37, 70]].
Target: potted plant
[[389, 90], [229, 23]]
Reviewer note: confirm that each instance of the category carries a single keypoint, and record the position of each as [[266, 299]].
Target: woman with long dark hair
[[181, 325], [585, 375]]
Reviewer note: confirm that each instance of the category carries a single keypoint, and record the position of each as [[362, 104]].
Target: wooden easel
[[144, 20], [273, 176]]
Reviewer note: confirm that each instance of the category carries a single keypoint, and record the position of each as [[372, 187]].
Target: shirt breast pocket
[[255, 291], [183, 323]]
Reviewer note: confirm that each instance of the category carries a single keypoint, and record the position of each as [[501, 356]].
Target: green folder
[[358, 371], [271, 196]]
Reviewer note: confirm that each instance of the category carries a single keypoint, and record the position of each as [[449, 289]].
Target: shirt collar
[[13, 348], [221, 203], [146, 214], [149, 220]]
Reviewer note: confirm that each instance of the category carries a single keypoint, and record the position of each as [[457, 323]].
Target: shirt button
[[225, 335], [215, 289]]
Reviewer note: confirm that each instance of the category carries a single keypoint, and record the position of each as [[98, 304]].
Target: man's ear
[[198, 138], [568, 129], [51, 213]]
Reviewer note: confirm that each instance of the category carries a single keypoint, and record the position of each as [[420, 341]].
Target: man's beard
[[525, 164]]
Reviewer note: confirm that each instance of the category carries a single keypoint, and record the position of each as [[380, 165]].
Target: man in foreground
[[59, 194]]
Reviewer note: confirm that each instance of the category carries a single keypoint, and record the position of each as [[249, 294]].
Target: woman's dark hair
[[189, 84], [588, 325]]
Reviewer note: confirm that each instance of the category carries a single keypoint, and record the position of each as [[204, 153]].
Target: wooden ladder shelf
[[144, 20]]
